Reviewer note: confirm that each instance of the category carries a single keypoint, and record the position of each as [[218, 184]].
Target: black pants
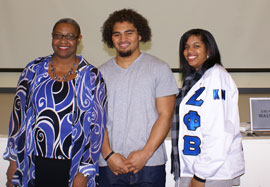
[[51, 172]]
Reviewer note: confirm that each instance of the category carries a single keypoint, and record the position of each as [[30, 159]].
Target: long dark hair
[[211, 47]]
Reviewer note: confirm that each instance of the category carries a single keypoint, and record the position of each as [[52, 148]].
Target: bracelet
[[199, 179], [109, 155]]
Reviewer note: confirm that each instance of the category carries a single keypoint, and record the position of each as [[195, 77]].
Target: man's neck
[[125, 62]]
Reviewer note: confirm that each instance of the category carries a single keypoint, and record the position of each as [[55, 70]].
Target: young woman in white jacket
[[205, 133]]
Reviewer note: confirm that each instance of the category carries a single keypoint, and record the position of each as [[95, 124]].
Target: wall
[[240, 27], [6, 101]]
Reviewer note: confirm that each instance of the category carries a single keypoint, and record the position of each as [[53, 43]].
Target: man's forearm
[[106, 148], [165, 108]]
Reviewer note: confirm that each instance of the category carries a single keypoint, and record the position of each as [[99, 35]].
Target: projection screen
[[241, 29]]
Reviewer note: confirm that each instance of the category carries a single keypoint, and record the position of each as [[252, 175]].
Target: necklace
[[53, 70]]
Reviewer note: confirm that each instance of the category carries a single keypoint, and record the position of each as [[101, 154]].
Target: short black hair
[[211, 47], [128, 15], [70, 21]]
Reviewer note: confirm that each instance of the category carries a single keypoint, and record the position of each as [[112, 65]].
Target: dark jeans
[[149, 176]]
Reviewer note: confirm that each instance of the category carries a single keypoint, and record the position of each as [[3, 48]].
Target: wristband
[[199, 179], [109, 155]]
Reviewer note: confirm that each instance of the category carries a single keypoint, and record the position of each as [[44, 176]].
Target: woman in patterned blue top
[[58, 119]]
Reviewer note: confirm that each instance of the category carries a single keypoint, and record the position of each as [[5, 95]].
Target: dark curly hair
[[131, 16]]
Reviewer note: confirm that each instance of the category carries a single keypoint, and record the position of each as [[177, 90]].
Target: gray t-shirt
[[132, 112]]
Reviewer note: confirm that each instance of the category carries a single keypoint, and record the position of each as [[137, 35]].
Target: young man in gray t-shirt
[[141, 96]]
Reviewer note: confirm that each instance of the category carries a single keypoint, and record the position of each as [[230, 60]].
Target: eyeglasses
[[61, 36]]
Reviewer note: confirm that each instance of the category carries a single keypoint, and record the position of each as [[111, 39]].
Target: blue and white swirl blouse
[[60, 120]]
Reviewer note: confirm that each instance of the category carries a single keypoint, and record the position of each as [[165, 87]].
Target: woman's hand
[[195, 183], [80, 180], [10, 172]]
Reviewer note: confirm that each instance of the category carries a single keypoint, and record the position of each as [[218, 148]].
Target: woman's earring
[[207, 56]]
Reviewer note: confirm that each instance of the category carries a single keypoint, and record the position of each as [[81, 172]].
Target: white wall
[[256, 150], [3, 163], [240, 27]]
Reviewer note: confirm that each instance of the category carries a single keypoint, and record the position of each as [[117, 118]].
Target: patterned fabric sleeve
[[16, 132], [89, 162]]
